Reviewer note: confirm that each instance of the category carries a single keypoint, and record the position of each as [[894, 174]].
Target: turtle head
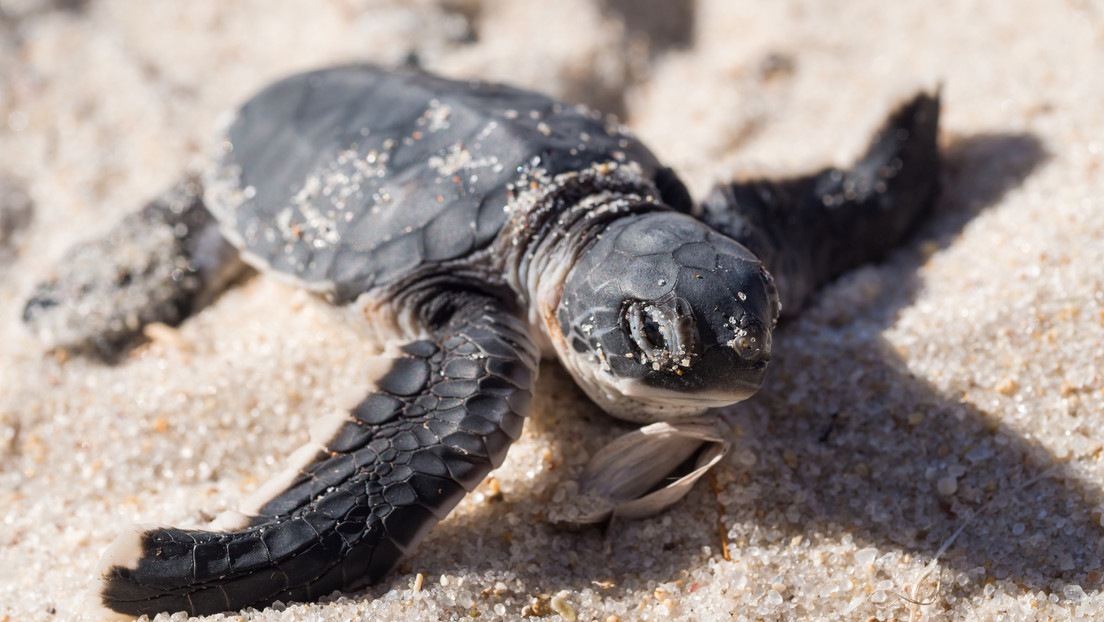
[[663, 317]]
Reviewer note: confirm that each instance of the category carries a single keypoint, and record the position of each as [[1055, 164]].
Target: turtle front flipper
[[364, 493], [809, 230], [160, 264]]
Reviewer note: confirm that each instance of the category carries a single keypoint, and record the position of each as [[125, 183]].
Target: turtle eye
[[653, 335], [647, 328], [663, 333]]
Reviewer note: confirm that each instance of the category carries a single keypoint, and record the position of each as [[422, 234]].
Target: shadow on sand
[[1009, 502]]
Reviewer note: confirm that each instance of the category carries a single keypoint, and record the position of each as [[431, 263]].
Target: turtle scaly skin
[[389, 471], [476, 227]]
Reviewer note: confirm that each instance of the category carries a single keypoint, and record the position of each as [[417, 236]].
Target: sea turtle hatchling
[[480, 227]]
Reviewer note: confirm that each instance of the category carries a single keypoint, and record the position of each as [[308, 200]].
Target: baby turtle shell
[[352, 178]]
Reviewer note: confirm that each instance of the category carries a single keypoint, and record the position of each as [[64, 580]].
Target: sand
[[927, 447]]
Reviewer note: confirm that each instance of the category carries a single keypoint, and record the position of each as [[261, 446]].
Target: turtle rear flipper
[[648, 470], [809, 230], [354, 501], [160, 264]]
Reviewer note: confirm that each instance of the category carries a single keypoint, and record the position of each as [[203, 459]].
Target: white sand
[[958, 389]]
